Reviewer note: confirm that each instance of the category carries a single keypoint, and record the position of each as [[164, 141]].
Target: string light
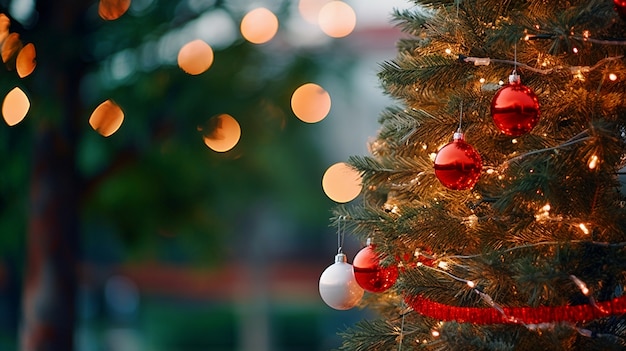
[[584, 228], [485, 61], [580, 284], [593, 162]]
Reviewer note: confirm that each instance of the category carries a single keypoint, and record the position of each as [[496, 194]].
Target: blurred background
[[178, 242]]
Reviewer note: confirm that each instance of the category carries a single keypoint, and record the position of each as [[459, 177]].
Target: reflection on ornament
[[515, 108], [337, 285], [458, 164], [369, 273]]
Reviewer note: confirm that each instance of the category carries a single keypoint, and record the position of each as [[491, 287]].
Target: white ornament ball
[[338, 288]]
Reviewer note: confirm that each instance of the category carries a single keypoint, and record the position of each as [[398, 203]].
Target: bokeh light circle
[[107, 118], [195, 57], [341, 182], [25, 62], [224, 134], [310, 9], [259, 26], [337, 19], [15, 106], [310, 103]]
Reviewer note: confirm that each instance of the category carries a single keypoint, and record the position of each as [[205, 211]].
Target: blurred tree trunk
[[50, 283]]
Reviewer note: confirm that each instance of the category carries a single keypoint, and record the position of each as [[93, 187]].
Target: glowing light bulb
[[435, 333], [448, 51], [583, 228], [482, 80], [593, 162], [580, 284], [575, 50], [612, 77], [471, 284], [442, 265]]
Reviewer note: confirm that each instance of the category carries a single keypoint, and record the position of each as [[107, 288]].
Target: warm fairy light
[[107, 118], [513, 141], [579, 75], [195, 57], [259, 26], [575, 50], [471, 284], [586, 34], [341, 182], [472, 220], [501, 82], [448, 51], [583, 228], [527, 37], [580, 284], [442, 265], [337, 19], [593, 162], [435, 333], [544, 213], [15, 106], [424, 146], [612, 77], [310, 103], [490, 171], [432, 156], [482, 80], [224, 134]]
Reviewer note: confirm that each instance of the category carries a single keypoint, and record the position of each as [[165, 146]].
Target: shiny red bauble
[[515, 108], [369, 274], [458, 164]]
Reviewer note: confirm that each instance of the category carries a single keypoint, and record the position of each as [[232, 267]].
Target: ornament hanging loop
[[340, 234]]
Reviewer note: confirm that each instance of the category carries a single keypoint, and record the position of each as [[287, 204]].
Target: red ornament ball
[[458, 164], [620, 7], [515, 108], [369, 274]]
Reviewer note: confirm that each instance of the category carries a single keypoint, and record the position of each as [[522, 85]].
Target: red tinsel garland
[[517, 315]]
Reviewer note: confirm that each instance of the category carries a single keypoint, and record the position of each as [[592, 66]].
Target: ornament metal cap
[[369, 242], [341, 258], [514, 78], [459, 135]]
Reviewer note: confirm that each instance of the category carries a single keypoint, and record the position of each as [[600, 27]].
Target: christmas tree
[[492, 194]]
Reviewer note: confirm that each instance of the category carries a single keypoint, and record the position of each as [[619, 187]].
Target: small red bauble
[[620, 7], [458, 164], [515, 108], [368, 272]]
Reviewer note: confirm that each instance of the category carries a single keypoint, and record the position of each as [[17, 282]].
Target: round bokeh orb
[[259, 26], [341, 183], [337, 19], [310, 103], [224, 134], [195, 57]]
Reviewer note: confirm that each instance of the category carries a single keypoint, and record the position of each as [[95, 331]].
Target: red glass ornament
[[515, 108], [368, 272], [458, 164], [620, 7]]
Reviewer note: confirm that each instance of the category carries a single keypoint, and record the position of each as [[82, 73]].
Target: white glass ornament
[[338, 288]]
